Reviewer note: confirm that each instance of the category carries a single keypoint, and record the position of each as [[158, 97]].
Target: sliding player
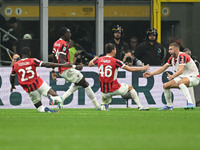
[[108, 69], [25, 68]]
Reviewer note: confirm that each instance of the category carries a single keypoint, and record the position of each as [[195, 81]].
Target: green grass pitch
[[88, 129]]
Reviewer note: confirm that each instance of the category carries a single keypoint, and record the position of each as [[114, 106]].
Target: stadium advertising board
[[150, 90]]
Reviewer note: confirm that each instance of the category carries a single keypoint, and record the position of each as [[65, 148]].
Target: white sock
[[91, 95], [135, 97], [186, 92], [168, 97], [56, 99], [191, 90], [71, 90], [41, 108]]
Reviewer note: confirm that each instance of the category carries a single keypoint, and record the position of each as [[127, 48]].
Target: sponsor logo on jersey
[[64, 49]]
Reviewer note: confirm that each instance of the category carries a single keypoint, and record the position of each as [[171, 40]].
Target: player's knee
[[165, 86], [52, 92], [130, 87], [179, 83]]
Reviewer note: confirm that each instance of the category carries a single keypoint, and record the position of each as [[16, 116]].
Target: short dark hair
[[175, 45], [26, 51], [109, 47], [63, 30]]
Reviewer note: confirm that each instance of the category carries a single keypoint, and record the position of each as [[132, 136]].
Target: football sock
[[56, 99], [135, 97], [71, 90], [91, 95], [38, 104], [41, 108], [191, 90], [168, 97], [186, 92]]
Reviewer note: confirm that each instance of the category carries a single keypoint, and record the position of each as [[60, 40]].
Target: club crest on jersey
[[64, 49]]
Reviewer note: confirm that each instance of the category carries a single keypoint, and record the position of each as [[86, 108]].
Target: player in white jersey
[[186, 75]]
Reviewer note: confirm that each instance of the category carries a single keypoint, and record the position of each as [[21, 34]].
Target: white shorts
[[194, 81], [72, 75], [42, 90], [107, 97]]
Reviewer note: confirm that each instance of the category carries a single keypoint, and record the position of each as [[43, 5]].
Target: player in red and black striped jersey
[[108, 73], [28, 78], [61, 55], [186, 75], [108, 70]]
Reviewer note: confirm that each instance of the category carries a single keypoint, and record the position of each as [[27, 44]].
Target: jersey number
[[56, 52], [107, 71], [26, 70]]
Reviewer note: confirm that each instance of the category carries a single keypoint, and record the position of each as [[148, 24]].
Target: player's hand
[[145, 68], [79, 67], [12, 88], [54, 76], [169, 76], [147, 74], [95, 57]]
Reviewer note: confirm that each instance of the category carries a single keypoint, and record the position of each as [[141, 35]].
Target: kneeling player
[[25, 68], [186, 75], [108, 69]]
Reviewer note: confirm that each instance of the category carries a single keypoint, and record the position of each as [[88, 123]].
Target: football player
[[61, 53], [186, 75], [28, 78], [108, 69]]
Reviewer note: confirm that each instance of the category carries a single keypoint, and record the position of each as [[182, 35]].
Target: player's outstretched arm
[[158, 71], [91, 63], [53, 65], [133, 69]]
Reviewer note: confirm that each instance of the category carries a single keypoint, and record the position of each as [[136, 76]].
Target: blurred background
[[179, 21]]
